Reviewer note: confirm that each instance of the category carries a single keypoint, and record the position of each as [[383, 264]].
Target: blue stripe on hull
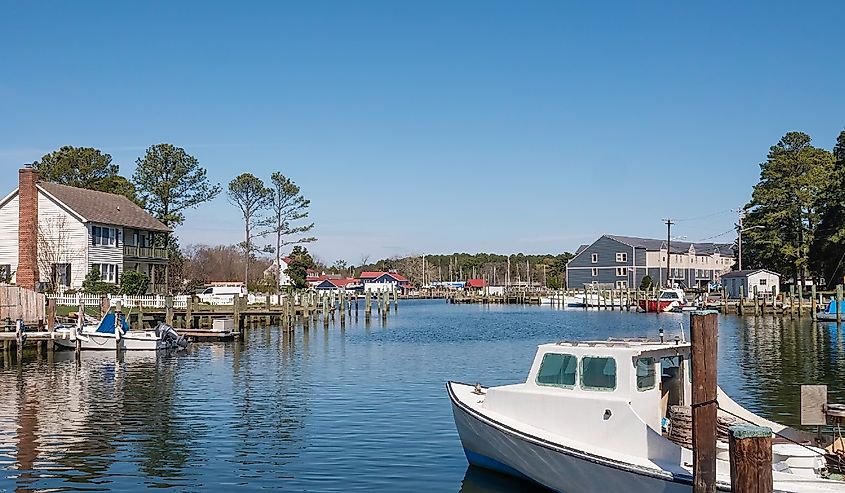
[[479, 460]]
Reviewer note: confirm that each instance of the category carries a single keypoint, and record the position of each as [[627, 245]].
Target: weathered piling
[[813, 306], [739, 307], [703, 333], [751, 459], [839, 304]]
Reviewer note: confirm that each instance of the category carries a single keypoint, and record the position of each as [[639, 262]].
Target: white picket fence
[[154, 301]]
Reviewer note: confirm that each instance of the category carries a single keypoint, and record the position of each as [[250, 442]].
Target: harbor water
[[355, 408]]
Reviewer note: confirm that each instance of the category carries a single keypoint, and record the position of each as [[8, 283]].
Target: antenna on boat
[[683, 336]]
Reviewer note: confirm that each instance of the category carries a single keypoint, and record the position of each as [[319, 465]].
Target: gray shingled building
[[622, 261]]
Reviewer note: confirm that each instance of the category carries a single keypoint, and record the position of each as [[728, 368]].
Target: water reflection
[[774, 356], [359, 407], [478, 480]]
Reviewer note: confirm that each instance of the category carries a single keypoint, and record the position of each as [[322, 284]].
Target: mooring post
[[800, 299], [756, 302], [117, 327], [51, 315], [104, 305], [838, 303], [703, 333], [791, 300], [750, 449], [739, 307], [168, 309], [80, 322], [813, 303]]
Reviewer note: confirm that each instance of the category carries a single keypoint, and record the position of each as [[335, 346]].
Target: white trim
[[9, 197], [61, 204]]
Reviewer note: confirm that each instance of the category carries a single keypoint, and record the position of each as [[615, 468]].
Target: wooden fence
[[21, 303]]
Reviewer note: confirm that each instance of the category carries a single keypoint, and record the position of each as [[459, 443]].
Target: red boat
[[669, 299]]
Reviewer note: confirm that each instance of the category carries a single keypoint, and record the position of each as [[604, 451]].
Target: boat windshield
[[669, 295]]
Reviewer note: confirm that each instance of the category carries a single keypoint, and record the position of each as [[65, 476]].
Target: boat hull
[[107, 342], [657, 305], [828, 317], [495, 446]]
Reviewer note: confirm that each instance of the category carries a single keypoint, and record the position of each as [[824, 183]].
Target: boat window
[[598, 373], [646, 377], [558, 370]]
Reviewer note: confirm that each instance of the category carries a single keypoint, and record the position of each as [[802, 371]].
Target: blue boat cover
[[831, 307], [107, 324]]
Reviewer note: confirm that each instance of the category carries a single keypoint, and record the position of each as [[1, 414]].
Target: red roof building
[[475, 284]]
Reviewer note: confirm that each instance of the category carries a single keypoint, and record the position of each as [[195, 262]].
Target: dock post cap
[[701, 313], [741, 432]]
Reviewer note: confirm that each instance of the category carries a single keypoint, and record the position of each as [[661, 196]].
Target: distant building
[[622, 261], [384, 281], [338, 285], [284, 278], [53, 235], [475, 285], [765, 281]]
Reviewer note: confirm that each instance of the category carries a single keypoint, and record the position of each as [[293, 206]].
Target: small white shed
[[765, 281]]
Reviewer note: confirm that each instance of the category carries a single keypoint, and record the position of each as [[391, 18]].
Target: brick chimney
[[27, 275]]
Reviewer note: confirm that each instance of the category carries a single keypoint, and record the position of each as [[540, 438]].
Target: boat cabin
[[651, 375]]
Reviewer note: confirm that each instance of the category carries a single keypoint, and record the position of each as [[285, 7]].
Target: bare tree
[[249, 194], [287, 206], [56, 250]]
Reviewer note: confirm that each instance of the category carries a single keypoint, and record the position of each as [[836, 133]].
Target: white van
[[221, 295]]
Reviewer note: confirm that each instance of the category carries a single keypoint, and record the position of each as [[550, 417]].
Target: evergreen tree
[[827, 253], [301, 261], [84, 167], [785, 203]]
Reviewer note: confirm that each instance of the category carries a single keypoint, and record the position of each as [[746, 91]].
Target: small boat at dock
[[829, 313], [113, 331], [605, 416], [669, 299]]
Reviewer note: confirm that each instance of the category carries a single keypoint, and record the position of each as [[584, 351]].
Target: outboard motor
[[169, 334]]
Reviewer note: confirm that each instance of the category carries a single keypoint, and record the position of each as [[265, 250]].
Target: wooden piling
[[703, 333], [104, 305], [838, 303], [791, 300], [800, 299], [756, 302], [51, 315], [813, 302], [168, 309], [739, 307], [750, 449]]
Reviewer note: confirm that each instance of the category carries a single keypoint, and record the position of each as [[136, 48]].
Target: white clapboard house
[[52, 236]]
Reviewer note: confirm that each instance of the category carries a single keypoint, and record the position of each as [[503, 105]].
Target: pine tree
[[827, 253]]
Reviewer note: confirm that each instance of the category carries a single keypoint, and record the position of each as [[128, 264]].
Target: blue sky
[[432, 127]]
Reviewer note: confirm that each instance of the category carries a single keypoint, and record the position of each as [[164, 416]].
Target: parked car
[[221, 295]]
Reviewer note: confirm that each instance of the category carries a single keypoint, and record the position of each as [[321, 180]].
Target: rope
[[773, 431]]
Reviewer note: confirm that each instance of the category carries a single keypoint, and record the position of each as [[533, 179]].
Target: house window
[[103, 236], [557, 370], [108, 272], [621, 257], [621, 271], [598, 373], [61, 274], [646, 379], [762, 282], [621, 284], [594, 271], [595, 258], [5, 273]]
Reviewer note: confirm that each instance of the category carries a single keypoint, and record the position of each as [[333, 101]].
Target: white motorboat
[[112, 331], [592, 415]]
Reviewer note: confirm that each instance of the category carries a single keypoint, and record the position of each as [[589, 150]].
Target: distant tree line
[[795, 221], [549, 270]]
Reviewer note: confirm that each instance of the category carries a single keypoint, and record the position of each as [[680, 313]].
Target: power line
[[718, 235]]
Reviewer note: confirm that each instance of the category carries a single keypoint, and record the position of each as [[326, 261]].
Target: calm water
[[354, 409]]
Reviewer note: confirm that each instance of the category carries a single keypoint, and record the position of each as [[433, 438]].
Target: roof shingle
[[103, 207]]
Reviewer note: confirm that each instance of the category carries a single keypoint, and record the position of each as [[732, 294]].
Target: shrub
[[134, 283]]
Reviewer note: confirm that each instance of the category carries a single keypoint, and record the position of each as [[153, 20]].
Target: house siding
[[100, 254], [579, 269], [67, 238], [9, 234]]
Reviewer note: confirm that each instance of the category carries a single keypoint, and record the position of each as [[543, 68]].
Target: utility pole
[[669, 224], [739, 241]]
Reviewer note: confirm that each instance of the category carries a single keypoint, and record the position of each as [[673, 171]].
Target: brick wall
[[27, 273]]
